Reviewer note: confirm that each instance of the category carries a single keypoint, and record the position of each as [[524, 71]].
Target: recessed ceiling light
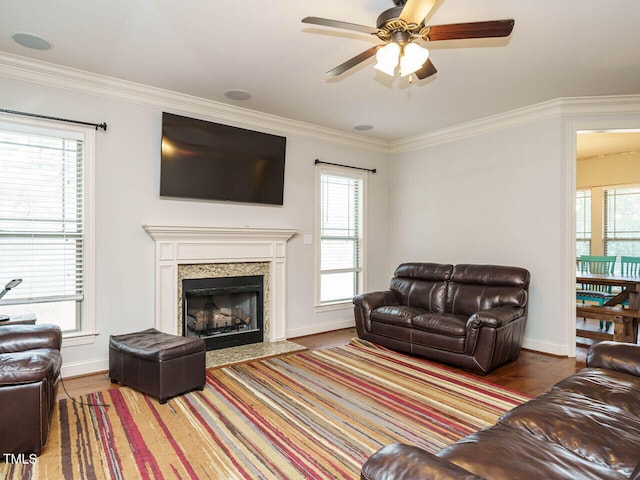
[[363, 128], [237, 94], [31, 41]]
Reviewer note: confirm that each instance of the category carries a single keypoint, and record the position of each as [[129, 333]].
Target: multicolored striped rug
[[309, 415]]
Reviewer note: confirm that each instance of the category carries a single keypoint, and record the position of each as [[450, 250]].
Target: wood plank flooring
[[532, 373]]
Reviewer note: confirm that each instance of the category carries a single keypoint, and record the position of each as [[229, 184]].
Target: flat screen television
[[206, 160]]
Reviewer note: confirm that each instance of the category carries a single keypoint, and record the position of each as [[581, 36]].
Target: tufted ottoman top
[[155, 345]]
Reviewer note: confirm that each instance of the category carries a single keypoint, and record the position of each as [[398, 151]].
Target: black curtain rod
[[103, 125], [372, 170]]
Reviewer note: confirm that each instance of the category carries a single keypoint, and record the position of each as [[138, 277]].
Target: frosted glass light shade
[[387, 58], [412, 59]]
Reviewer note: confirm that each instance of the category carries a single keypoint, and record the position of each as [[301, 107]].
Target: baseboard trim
[[545, 347], [84, 368], [322, 328]]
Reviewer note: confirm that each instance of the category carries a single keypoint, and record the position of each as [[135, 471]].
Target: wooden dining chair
[[630, 266], [599, 294]]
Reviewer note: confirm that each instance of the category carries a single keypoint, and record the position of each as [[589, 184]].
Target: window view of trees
[[622, 221], [620, 235]]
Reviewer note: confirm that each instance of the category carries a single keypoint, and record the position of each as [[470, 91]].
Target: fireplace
[[183, 252], [224, 311]]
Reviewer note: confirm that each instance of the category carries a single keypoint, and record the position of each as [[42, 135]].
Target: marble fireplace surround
[[179, 246]]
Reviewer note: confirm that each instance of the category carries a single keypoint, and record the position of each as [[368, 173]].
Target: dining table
[[625, 288], [629, 287]]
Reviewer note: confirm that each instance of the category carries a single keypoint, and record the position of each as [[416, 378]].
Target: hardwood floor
[[532, 373]]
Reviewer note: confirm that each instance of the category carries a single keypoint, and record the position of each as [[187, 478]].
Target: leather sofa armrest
[[622, 357], [494, 317], [365, 303], [372, 300], [408, 462], [20, 338]]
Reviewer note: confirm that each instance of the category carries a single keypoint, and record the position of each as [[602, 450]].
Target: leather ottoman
[[157, 363]]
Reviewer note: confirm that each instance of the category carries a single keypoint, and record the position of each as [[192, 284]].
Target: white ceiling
[[600, 144], [559, 48]]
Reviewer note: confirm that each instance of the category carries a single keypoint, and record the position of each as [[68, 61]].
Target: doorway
[[607, 200]]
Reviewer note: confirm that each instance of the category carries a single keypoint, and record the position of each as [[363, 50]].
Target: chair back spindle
[[630, 266]]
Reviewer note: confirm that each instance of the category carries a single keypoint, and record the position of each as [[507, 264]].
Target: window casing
[[46, 222], [341, 227], [583, 222]]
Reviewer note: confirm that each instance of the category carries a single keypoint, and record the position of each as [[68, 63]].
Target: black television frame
[[211, 161]]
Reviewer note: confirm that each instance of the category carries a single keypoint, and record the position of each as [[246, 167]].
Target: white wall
[[127, 173], [502, 191], [487, 199]]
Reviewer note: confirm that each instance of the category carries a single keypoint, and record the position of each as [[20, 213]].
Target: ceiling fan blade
[[426, 70], [361, 57], [414, 11], [457, 31], [325, 22]]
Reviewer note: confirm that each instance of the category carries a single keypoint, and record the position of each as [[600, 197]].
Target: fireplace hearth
[[224, 311]]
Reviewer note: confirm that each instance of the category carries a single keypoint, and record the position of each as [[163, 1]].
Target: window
[[622, 221], [583, 222], [45, 222], [341, 236]]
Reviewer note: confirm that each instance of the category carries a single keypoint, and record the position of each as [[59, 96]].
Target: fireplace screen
[[224, 311]]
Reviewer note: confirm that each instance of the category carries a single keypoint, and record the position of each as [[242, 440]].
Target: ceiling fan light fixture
[[413, 57], [387, 58]]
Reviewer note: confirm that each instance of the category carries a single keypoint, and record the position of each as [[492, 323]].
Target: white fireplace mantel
[[176, 245]]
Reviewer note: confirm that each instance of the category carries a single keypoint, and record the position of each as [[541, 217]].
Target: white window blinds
[[340, 236], [622, 221], [41, 214]]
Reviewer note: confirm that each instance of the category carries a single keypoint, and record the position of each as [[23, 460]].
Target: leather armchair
[[30, 365]]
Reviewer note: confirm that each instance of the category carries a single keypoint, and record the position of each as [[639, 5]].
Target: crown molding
[[48, 74], [605, 105], [52, 75], [552, 109], [493, 123]]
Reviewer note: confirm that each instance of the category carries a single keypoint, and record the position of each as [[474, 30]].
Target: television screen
[[206, 160]]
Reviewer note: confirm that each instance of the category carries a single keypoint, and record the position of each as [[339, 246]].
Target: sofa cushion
[[441, 323], [600, 433], [505, 453], [621, 357], [400, 315], [422, 285], [424, 271], [435, 342], [474, 288], [606, 386]]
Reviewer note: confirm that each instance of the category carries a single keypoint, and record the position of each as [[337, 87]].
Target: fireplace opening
[[225, 312]]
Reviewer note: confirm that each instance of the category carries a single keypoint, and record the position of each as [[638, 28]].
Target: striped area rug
[[309, 415]]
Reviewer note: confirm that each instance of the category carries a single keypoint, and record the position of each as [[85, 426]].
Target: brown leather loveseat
[[585, 427], [471, 316], [30, 364]]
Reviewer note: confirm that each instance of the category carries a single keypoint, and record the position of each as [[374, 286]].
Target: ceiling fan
[[400, 27]]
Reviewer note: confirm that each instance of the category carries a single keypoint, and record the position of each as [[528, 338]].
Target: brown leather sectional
[[30, 365], [585, 427], [471, 316]]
